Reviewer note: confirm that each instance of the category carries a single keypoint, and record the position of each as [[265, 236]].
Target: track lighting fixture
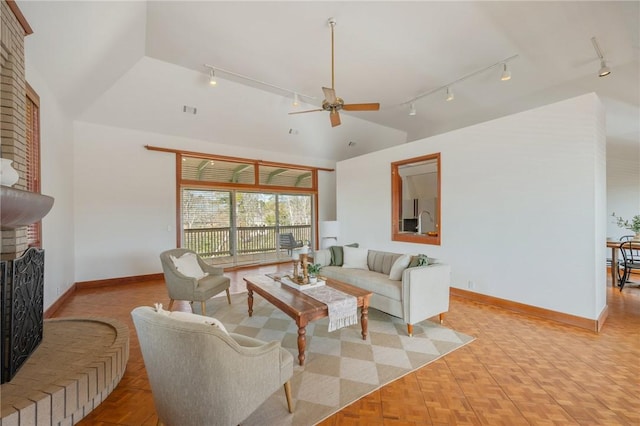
[[450, 95], [212, 81], [212, 77], [506, 74], [604, 69]]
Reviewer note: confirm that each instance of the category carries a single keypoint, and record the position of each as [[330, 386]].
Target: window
[[34, 231]]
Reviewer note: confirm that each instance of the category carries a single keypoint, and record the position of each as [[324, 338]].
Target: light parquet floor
[[519, 371]]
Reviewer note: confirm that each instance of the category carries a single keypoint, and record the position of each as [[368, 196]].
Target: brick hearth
[[77, 365]]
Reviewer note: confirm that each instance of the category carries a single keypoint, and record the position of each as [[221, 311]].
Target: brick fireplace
[[21, 270]]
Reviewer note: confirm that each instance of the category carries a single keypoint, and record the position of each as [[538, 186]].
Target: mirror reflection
[[416, 199]]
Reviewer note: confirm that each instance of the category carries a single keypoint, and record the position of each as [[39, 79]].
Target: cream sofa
[[423, 291]]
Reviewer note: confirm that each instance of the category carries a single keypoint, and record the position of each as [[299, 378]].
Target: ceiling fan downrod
[[332, 24]]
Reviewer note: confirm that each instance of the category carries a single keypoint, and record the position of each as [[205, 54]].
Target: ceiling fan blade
[[361, 107], [334, 116], [329, 95], [303, 112]]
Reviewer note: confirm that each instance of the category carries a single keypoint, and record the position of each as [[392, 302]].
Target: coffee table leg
[[302, 343], [250, 301], [364, 320]]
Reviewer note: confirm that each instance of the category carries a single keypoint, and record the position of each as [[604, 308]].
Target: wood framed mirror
[[415, 200]]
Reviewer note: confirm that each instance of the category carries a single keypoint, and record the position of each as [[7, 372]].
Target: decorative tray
[[289, 282]]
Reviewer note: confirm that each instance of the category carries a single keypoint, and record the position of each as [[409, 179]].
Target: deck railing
[[218, 242]]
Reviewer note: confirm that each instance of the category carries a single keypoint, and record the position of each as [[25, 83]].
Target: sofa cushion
[[399, 266], [367, 280], [337, 254], [381, 261], [355, 258]]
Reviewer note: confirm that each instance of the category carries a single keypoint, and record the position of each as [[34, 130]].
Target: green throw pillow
[[337, 254]]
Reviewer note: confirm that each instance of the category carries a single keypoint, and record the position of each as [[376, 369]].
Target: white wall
[[56, 144], [125, 207], [523, 206], [623, 188]]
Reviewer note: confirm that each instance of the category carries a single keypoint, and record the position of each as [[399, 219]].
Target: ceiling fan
[[332, 103]]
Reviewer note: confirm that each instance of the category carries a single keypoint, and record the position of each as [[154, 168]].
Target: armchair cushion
[[188, 265]]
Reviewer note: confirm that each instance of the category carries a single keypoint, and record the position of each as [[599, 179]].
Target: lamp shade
[[329, 229]]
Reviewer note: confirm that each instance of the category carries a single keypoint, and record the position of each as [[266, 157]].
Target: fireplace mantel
[[22, 208]]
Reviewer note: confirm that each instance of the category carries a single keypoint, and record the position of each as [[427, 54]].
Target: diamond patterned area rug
[[340, 367]]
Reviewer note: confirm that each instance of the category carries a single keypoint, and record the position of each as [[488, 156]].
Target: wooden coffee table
[[302, 308]]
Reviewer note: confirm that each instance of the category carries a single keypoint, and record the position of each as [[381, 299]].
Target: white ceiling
[[135, 64]]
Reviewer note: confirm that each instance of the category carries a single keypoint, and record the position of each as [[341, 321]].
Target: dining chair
[[630, 251]]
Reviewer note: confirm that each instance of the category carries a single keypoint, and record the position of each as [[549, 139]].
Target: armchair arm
[[175, 279], [425, 291], [210, 269], [251, 346]]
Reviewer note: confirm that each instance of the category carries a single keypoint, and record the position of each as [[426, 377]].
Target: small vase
[[8, 175]]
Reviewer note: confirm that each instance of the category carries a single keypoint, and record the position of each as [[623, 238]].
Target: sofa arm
[[425, 292], [323, 257]]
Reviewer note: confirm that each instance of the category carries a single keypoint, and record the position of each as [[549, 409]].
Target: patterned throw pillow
[[419, 260]]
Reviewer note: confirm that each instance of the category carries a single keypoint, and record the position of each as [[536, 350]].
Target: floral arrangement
[[633, 225]]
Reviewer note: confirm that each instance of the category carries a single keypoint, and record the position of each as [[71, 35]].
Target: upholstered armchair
[[200, 375], [198, 280]]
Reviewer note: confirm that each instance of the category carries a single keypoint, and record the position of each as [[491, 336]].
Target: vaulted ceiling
[[137, 64]]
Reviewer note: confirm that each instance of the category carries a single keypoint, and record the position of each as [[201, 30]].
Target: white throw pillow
[[355, 258], [188, 265], [190, 317], [398, 266]]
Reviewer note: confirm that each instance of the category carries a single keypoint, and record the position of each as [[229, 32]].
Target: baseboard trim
[[602, 318], [573, 320], [119, 281], [56, 305]]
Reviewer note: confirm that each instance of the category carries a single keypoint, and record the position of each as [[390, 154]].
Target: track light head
[[604, 69], [212, 77], [450, 95], [412, 109], [506, 74], [296, 101]]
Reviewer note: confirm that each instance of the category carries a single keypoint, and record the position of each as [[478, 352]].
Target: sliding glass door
[[233, 227]]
